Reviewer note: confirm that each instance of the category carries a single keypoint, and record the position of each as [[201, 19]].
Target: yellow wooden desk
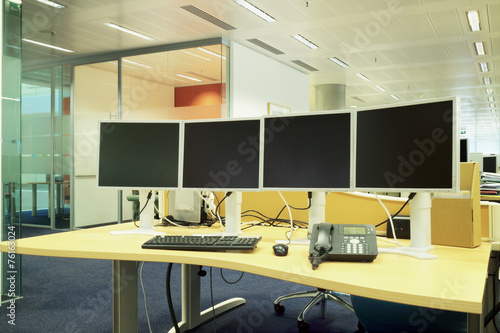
[[454, 281]]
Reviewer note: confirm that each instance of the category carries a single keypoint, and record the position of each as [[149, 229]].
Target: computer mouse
[[280, 249]]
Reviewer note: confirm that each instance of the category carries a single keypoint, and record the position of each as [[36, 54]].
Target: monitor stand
[[146, 217], [420, 226], [233, 216], [316, 215]]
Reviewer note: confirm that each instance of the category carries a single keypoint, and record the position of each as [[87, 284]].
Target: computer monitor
[[464, 150], [222, 155], [141, 155], [308, 152], [490, 164], [410, 148]]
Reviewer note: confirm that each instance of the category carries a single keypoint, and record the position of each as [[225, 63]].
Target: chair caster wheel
[[303, 326], [279, 309]]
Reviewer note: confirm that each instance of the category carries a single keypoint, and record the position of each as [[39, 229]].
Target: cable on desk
[[150, 194], [411, 196], [309, 195], [169, 299]]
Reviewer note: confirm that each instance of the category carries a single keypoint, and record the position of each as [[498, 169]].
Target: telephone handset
[[342, 242]]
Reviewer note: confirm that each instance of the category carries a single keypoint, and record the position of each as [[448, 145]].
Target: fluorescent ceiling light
[[52, 3], [489, 91], [47, 45], [305, 42], [484, 66], [473, 18], [339, 62], [188, 77], [479, 48], [491, 99], [487, 80], [361, 76], [11, 99], [380, 88], [492, 106], [395, 97], [255, 10], [134, 33], [137, 63], [211, 52]]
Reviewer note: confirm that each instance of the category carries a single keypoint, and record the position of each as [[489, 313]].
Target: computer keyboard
[[202, 243]]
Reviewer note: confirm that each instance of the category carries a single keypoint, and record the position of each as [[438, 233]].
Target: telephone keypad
[[354, 245]]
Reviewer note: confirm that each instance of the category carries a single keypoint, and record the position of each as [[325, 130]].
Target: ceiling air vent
[[304, 65], [265, 46], [207, 17]]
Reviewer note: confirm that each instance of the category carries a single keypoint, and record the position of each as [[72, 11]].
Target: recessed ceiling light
[[380, 88], [487, 80], [137, 63], [131, 32], [479, 48], [47, 45], [52, 3], [188, 77], [305, 42], [484, 66], [339, 62], [248, 6], [473, 18], [211, 52], [395, 97], [361, 76]]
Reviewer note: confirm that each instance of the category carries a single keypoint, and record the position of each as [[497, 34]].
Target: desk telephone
[[342, 242]]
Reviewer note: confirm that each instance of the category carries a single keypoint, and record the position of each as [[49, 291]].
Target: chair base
[[317, 296]]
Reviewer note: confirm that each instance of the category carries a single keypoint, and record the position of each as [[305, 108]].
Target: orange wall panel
[[208, 94]]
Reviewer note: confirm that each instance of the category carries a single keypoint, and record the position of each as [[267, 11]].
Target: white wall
[[257, 80]]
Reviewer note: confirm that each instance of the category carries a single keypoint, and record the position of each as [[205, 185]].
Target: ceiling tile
[[414, 55], [341, 7], [397, 31], [458, 50], [420, 26], [436, 52], [446, 23]]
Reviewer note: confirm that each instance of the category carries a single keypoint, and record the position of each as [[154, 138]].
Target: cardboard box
[[457, 221]]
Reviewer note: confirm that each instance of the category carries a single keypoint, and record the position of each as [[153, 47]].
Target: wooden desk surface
[[455, 281]]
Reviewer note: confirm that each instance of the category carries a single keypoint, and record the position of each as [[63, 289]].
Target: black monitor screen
[[307, 152], [142, 155], [407, 147], [464, 150], [490, 164], [221, 154]]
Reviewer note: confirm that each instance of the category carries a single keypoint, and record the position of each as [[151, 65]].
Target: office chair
[[317, 296]]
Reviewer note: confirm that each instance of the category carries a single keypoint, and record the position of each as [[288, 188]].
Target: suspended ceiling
[[414, 49]]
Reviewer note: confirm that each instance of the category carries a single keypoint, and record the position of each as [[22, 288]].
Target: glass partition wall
[[63, 104], [11, 145], [46, 147]]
